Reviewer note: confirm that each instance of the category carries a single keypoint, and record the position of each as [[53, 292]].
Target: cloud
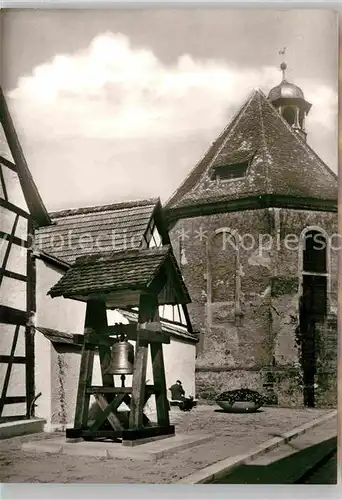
[[114, 90], [113, 97]]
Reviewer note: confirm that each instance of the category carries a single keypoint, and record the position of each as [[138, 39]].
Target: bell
[[122, 359]]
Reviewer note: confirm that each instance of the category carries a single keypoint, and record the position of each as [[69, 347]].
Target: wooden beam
[[84, 379], [108, 412], [12, 418], [150, 334], [31, 194], [12, 316], [8, 370], [88, 434], [115, 390], [3, 183], [11, 274], [158, 370], [154, 337], [9, 164], [8, 249], [148, 308], [122, 299], [16, 240], [14, 208], [98, 319], [130, 330], [147, 432], [12, 400], [30, 330], [15, 359]]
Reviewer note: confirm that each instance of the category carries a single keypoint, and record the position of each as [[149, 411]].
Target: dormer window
[[230, 172]]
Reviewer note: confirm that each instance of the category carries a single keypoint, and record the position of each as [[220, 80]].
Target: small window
[[152, 236], [229, 172], [314, 253], [290, 115]]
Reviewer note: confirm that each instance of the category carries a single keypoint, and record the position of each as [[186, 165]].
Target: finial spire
[[283, 67]]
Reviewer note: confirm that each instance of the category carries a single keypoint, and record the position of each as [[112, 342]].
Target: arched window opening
[[315, 273], [314, 252], [290, 115], [223, 268], [302, 119], [313, 303]]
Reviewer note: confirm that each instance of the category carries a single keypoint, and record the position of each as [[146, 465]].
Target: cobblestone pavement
[[232, 434]]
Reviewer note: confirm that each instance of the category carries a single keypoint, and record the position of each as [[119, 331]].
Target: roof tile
[[283, 163], [85, 231], [112, 271]]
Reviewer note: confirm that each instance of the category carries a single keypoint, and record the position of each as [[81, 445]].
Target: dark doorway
[[313, 307]]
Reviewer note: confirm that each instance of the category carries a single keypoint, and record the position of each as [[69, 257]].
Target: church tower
[[253, 224], [289, 100]]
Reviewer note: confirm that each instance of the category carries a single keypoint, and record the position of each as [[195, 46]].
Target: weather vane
[[283, 65]]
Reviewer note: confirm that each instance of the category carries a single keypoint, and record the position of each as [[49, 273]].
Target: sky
[[121, 104]]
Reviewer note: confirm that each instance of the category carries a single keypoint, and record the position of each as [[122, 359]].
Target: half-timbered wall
[[17, 301], [174, 313]]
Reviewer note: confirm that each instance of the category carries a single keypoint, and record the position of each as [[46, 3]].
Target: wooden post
[[29, 329], [162, 403], [86, 369], [148, 307], [83, 399], [99, 323]]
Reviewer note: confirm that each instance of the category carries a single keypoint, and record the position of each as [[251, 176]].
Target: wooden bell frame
[[135, 426]]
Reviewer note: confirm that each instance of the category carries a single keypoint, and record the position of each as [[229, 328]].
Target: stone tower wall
[[245, 293]]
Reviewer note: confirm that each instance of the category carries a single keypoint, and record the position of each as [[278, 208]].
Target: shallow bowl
[[239, 406]]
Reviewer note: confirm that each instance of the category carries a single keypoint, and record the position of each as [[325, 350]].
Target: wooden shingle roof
[[86, 231], [282, 163], [136, 270]]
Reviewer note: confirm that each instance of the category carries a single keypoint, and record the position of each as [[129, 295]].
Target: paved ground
[[232, 434]]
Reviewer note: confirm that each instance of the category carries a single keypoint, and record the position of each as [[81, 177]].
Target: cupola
[[289, 100]]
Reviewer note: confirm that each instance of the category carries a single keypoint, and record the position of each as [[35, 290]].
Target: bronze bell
[[122, 359]]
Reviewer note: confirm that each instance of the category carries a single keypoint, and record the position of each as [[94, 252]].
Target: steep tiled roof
[[282, 162], [85, 231], [114, 271]]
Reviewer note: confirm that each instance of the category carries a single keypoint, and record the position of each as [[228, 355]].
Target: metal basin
[[239, 406]]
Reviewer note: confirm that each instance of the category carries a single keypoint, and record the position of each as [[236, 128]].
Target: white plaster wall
[[43, 379], [179, 358], [60, 314], [65, 368]]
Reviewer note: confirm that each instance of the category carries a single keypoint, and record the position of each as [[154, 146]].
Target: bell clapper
[[123, 378]]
